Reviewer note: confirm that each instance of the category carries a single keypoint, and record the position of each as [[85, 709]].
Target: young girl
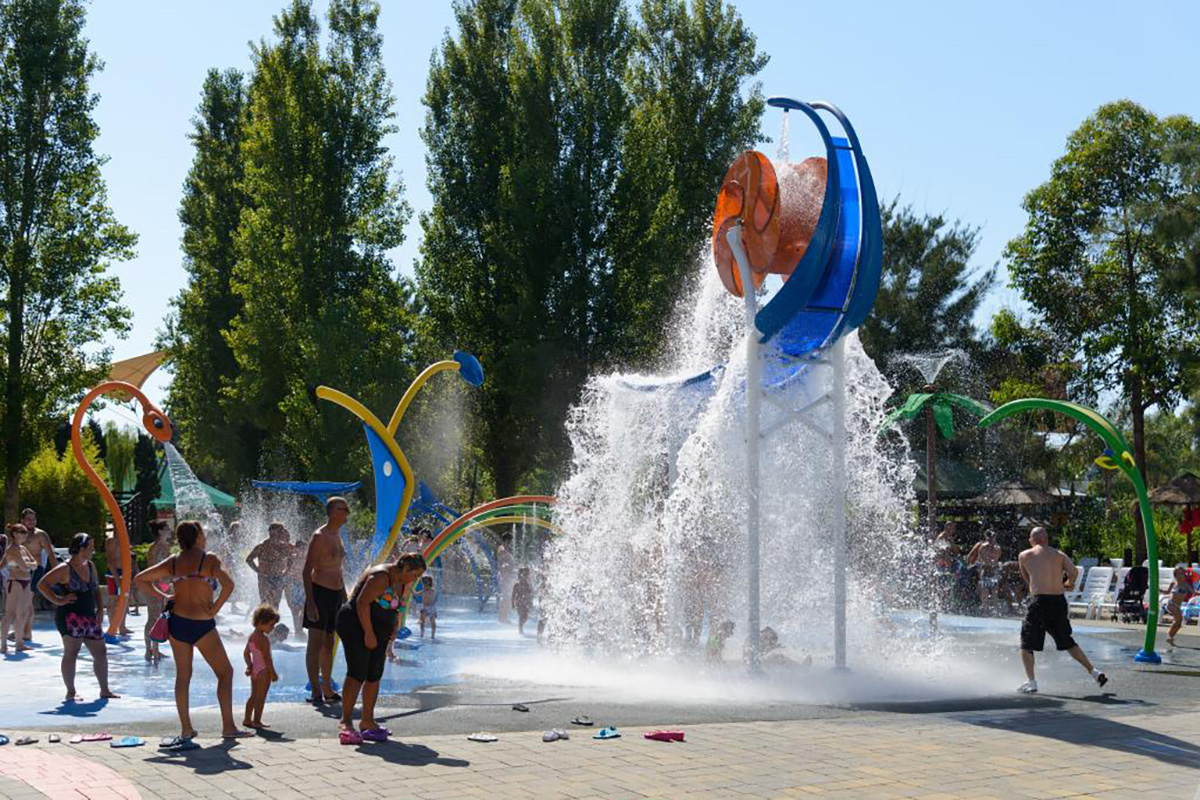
[[428, 607], [259, 665]]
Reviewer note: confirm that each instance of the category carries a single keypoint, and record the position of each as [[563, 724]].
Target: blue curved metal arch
[[796, 291]]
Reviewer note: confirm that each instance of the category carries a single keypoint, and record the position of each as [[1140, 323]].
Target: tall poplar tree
[[200, 357], [57, 232], [572, 185], [320, 301]]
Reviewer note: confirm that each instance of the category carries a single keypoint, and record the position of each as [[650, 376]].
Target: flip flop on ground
[[664, 736], [582, 720], [520, 707], [481, 737], [607, 733]]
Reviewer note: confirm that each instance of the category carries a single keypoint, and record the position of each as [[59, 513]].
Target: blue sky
[[961, 107]]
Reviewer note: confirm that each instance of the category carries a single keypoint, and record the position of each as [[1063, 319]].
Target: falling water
[[653, 512]]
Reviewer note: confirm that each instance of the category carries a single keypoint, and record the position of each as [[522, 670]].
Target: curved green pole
[[1124, 459]]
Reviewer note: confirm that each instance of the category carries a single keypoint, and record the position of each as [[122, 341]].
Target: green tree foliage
[[290, 210], [65, 500], [119, 444], [573, 156], [1094, 272], [57, 233], [199, 355], [930, 292], [146, 468]]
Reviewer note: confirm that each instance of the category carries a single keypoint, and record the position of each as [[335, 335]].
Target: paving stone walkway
[[1003, 754]]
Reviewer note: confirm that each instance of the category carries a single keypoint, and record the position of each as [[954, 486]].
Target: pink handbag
[[158, 632]]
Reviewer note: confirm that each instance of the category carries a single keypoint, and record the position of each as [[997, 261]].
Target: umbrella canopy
[[135, 370], [1182, 491], [1015, 493]]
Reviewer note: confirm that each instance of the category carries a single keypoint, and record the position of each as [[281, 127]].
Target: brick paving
[[1003, 754]]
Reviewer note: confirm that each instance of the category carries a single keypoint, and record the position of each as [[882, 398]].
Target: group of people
[[26, 555], [192, 587], [980, 576]]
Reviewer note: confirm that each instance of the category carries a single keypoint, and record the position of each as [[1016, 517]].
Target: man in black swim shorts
[[324, 591], [1049, 573]]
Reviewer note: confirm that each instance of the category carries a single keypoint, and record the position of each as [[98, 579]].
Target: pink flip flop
[[664, 736], [351, 737], [97, 737]]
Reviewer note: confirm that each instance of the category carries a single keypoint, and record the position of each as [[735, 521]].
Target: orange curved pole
[[157, 425]]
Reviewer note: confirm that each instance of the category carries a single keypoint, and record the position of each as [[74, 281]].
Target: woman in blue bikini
[[195, 575], [366, 625]]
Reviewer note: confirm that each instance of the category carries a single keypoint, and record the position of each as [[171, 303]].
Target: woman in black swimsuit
[[73, 588], [366, 624], [194, 575]]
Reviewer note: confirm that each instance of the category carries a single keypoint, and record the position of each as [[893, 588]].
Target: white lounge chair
[[1076, 590], [1095, 589]]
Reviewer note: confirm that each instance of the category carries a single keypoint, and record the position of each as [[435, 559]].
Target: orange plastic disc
[[749, 197]]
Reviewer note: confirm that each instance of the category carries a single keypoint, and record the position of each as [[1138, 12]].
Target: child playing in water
[[716, 642], [259, 665], [428, 607], [522, 598]]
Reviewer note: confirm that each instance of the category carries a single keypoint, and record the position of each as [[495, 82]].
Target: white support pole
[[837, 358], [753, 403]]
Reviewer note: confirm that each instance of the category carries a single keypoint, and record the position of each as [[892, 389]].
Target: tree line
[[574, 148]]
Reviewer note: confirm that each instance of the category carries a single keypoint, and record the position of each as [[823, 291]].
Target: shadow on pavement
[[205, 761], [81, 710], [998, 703], [1090, 731], [409, 755]]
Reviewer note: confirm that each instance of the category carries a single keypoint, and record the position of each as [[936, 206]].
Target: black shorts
[[328, 601], [1047, 614], [363, 665]]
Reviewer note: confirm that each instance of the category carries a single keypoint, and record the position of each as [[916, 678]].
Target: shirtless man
[[38, 543], [1049, 574], [112, 556], [324, 594], [271, 559], [985, 556]]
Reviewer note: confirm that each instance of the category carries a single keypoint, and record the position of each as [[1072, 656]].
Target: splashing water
[[931, 364], [653, 513]]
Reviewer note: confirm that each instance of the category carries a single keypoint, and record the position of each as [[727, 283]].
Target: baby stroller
[[1131, 601]]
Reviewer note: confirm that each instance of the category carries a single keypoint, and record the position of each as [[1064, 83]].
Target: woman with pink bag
[[75, 591]]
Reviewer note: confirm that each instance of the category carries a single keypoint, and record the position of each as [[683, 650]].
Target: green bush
[[65, 501]]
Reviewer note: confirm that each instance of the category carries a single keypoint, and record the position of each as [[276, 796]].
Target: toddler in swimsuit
[[428, 607], [259, 665]]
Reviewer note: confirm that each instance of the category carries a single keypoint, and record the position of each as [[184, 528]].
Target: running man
[[271, 560], [1049, 574], [324, 594], [1185, 586]]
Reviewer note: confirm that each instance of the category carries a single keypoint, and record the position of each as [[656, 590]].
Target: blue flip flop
[[128, 741], [3, 739], [607, 733]]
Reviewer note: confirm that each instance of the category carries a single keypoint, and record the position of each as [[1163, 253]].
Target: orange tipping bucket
[[778, 215]]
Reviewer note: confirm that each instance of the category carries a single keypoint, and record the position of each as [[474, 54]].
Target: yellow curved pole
[[414, 387], [389, 440], [157, 425]]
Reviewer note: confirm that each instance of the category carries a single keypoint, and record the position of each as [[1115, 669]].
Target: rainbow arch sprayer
[[816, 224]]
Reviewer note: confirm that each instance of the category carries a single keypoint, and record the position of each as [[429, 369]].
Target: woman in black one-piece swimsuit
[[72, 587]]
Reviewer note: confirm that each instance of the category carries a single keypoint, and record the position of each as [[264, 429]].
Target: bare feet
[[236, 734], [74, 698], [109, 695]]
